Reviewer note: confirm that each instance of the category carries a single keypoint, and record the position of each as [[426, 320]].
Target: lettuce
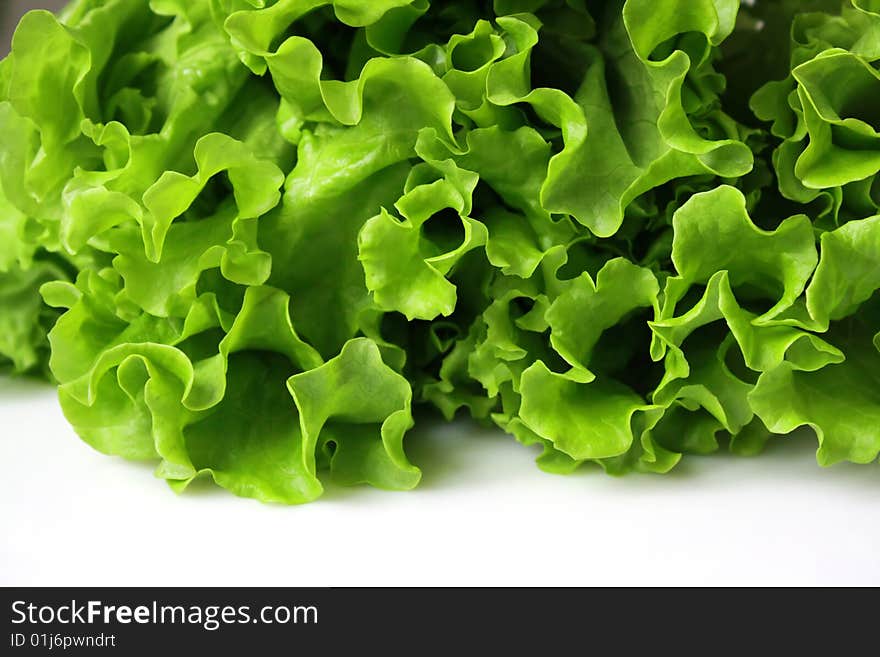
[[248, 239]]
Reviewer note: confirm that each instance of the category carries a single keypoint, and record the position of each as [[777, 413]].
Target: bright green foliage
[[246, 237]]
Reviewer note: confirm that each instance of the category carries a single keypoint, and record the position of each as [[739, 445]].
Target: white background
[[484, 515]]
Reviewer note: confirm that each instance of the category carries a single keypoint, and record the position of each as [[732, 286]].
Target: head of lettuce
[[247, 237]]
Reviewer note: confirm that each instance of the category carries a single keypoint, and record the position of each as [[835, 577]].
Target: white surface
[[484, 515]]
